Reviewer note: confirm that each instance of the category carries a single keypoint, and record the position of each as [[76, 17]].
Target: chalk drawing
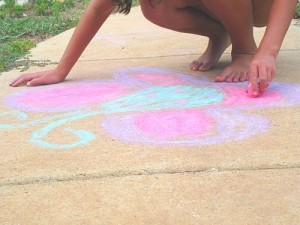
[[159, 98], [62, 98], [145, 105], [52, 122], [214, 127]]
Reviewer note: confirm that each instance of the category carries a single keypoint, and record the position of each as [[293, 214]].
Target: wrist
[[62, 72], [270, 52]]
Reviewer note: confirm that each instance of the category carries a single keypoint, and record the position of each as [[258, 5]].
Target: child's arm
[[262, 68], [93, 18]]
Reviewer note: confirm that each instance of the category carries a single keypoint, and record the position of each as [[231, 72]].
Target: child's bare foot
[[211, 55], [237, 70]]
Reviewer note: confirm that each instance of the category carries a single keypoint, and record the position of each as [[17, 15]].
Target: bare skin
[[210, 13], [238, 19], [212, 54], [223, 22]]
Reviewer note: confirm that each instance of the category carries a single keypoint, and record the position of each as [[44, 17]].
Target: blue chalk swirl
[[160, 98], [54, 122]]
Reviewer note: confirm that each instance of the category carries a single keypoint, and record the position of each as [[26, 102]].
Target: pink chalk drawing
[[174, 124], [150, 106], [65, 98]]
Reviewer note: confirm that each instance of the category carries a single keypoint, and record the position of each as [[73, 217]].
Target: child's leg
[[187, 16], [238, 17], [202, 17], [261, 10]]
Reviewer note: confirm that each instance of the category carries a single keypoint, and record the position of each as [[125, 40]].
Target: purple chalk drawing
[[150, 106], [214, 127]]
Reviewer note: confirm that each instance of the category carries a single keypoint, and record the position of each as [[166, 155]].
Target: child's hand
[[262, 71], [39, 78]]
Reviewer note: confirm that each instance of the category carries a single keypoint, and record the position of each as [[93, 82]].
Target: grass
[[297, 10], [22, 27], [18, 36]]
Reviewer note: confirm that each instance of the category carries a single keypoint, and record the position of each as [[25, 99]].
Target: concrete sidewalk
[[134, 137]]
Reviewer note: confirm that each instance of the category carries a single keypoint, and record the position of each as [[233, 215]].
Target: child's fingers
[[44, 80], [271, 76], [37, 82], [266, 80], [21, 80], [16, 81], [254, 79], [263, 79]]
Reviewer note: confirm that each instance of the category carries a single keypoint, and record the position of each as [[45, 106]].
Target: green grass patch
[[297, 11], [135, 2], [23, 26], [12, 50]]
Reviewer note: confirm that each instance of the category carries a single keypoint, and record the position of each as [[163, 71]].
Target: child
[[223, 22]]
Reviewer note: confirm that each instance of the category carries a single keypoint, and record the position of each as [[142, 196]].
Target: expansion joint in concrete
[[149, 172]]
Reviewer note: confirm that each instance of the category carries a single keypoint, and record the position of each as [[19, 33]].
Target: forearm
[[93, 18], [281, 14]]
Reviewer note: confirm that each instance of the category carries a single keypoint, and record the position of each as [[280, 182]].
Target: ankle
[[244, 50], [251, 51]]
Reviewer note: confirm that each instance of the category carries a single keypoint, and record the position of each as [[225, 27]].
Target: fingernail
[[255, 93], [28, 84]]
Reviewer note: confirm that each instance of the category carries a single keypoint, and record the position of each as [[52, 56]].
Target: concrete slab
[[25, 157], [268, 197], [131, 107]]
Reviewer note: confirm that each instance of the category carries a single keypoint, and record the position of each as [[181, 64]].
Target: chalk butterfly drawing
[[147, 105]]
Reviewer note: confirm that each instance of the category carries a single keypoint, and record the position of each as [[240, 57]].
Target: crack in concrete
[[150, 172]]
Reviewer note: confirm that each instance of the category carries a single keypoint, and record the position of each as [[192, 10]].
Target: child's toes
[[243, 77], [195, 65], [204, 67], [236, 78], [230, 77], [220, 78], [239, 77]]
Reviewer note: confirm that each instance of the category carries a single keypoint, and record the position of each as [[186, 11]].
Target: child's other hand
[[262, 72], [39, 78]]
